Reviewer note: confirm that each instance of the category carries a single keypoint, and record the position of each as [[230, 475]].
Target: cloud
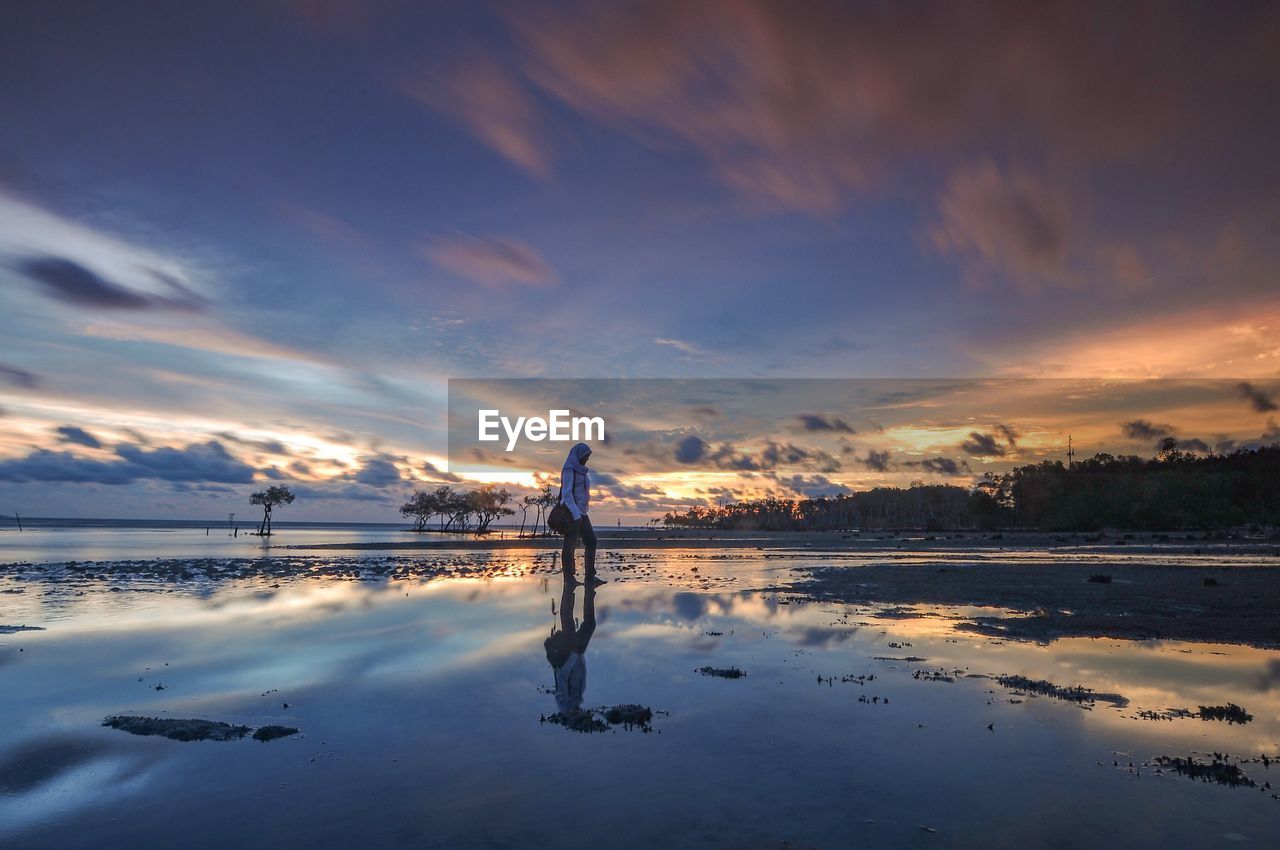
[[786, 454], [983, 445], [630, 492], [345, 492], [19, 377], [70, 282], [1011, 223], [492, 104], [816, 422], [876, 461], [1193, 444], [802, 111], [1269, 677], [1141, 429], [207, 461], [491, 261], [681, 345], [123, 273], [695, 450], [78, 436], [814, 486], [691, 450], [378, 472], [941, 466], [1214, 339], [274, 447], [1010, 434], [199, 462], [1258, 398]]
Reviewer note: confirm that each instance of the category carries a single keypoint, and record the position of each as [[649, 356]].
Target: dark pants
[[581, 528], [582, 634]]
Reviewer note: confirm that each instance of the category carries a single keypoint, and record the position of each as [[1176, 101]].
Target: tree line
[[920, 506], [474, 510], [1174, 489]]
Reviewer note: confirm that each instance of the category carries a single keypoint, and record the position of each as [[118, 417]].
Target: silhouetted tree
[[1174, 489], [269, 498], [422, 506], [488, 503], [526, 503]]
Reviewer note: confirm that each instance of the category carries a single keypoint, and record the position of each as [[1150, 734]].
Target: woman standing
[[575, 494]]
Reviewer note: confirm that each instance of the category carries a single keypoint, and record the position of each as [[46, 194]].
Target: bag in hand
[[560, 518]]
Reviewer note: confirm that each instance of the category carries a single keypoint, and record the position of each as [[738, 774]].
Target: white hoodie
[[575, 481]]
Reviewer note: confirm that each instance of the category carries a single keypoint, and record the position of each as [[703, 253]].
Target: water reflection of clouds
[[1269, 678], [1153, 675], [48, 777], [819, 635], [452, 668]]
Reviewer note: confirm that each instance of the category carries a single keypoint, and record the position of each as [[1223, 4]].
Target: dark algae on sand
[[193, 729], [178, 730]]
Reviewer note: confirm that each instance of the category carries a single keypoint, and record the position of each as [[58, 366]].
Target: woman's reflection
[[567, 653], [567, 648]]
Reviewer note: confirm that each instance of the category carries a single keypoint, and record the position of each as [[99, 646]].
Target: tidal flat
[[420, 689]]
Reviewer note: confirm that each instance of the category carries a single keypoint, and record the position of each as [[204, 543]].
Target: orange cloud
[[1240, 342]]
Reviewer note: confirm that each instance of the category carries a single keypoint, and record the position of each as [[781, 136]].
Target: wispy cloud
[[683, 346], [72, 283], [801, 111], [78, 436], [88, 267], [1007, 222], [492, 261], [19, 377], [492, 104], [1259, 399]]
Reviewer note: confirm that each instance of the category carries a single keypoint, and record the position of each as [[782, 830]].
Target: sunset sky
[[250, 242]]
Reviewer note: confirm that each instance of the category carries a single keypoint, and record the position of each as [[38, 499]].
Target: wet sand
[[837, 541], [1223, 604], [421, 686], [1129, 585], [1219, 587]]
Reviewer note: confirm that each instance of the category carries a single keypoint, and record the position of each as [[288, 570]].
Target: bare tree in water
[[269, 498], [525, 503]]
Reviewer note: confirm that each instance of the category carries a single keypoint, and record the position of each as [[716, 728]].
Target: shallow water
[[421, 702], [44, 540]]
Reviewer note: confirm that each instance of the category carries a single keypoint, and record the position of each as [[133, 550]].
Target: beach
[[880, 696]]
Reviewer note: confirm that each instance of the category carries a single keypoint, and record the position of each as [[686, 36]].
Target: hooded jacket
[[575, 481]]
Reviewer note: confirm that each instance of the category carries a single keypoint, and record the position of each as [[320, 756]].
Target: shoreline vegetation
[[1173, 490]]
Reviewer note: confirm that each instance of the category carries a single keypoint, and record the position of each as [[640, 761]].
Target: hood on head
[[578, 455]]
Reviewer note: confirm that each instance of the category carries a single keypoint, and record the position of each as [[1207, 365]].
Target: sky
[[245, 243]]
